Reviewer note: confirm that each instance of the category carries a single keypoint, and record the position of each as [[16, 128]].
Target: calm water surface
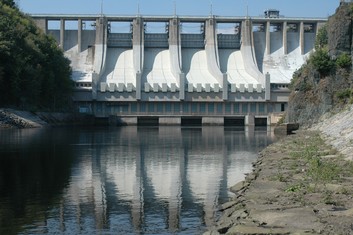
[[131, 180]]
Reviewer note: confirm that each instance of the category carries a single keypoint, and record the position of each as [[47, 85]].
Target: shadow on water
[[34, 169], [127, 180]]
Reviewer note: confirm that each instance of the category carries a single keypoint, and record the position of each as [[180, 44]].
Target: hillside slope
[[325, 83]]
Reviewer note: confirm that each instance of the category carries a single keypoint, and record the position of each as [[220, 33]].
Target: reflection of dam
[[243, 71], [163, 178]]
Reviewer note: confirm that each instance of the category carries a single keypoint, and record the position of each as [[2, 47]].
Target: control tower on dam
[[198, 70]]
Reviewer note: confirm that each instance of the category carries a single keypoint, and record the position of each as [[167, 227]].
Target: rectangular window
[[133, 107], [194, 107], [202, 108], [211, 108], [228, 108], [177, 107], [283, 107], [236, 108], [253, 107], [219, 108], [168, 107], [244, 108], [142, 107], [261, 108], [151, 107], [186, 108], [125, 108], [160, 107]]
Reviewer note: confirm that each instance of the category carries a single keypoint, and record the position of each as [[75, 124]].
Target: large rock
[[339, 29]]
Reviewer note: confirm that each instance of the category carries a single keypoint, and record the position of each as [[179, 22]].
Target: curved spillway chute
[[175, 51], [119, 68], [81, 58], [248, 53], [157, 67], [81, 64], [279, 65], [232, 62], [196, 68], [212, 52]]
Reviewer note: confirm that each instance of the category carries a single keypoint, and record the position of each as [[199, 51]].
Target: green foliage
[[322, 62], [344, 61], [10, 3], [321, 38], [344, 94], [322, 171], [294, 188], [33, 70], [296, 75]]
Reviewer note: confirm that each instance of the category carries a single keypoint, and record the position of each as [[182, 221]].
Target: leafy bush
[[322, 62], [345, 94], [321, 38], [344, 61]]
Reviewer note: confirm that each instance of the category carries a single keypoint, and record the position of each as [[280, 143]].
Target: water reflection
[[122, 180]]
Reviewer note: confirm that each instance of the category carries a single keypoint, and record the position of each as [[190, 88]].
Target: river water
[[130, 180]]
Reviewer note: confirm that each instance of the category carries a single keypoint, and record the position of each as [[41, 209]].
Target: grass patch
[[294, 188]]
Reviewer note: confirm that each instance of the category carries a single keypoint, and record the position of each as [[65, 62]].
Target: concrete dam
[[225, 71]]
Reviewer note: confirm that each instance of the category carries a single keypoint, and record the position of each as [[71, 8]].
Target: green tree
[[322, 62], [344, 61], [10, 3], [31, 64], [321, 38]]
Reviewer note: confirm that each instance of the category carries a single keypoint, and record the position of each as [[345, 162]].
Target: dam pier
[[198, 70]]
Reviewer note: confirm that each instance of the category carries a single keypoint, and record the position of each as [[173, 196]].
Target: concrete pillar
[[269, 120], [182, 79], [301, 28], [138, 44], [138, 51], [225, 86], [249, 120], [42, 24], [284, 31], [175, 47], [169, 121], [129, 121], [175, 55], [138, 86], [100, 30], [267, 87], [211, 48], [212, 121], [62, 33], [100, 53], [79, 35], [268, 38]]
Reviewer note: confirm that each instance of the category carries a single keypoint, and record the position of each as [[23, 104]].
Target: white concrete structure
[[176, 74]]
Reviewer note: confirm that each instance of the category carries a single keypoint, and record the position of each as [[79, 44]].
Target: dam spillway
[[209, 73]]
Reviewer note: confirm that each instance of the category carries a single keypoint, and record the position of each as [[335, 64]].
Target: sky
[[288, 8]]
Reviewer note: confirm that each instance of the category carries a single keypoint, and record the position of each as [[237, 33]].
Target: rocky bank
[[300, 185], [317, 91], [11, 118]]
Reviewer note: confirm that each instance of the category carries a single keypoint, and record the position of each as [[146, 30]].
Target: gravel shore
[[302, 184], [299, 185]]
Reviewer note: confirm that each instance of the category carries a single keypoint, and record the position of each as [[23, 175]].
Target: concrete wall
[[257, 51]]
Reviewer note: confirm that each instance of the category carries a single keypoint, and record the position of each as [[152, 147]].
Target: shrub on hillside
[[344, 61], [322, 61]]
